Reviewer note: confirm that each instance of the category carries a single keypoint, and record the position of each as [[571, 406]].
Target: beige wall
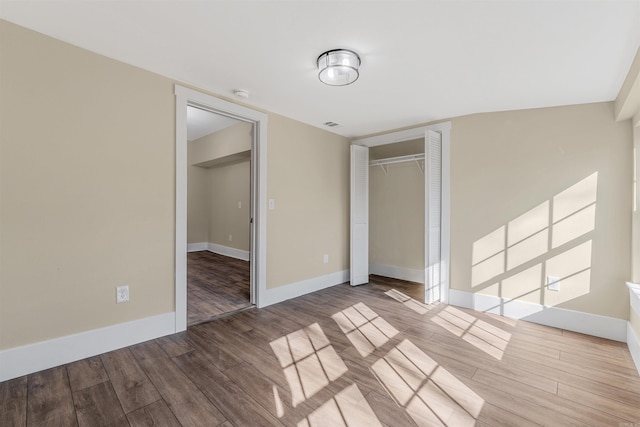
[[198, 196], [87, 192], [308, 177], [228, 185], [222, 179], [396, 209], [222, 144], [543, 192], [86, 189]]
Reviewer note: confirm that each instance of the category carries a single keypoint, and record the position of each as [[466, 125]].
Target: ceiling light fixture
[[338, 67]]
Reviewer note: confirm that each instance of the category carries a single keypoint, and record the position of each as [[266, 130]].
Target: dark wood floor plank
[[216, 284], [130, 383], [547, 406], [49, 400], [237, 345], [176, 344], [13, 402], [98, 406], [604, 404], [186, 401], [275, 399], [156, 414], [228, 396], [86, 373]]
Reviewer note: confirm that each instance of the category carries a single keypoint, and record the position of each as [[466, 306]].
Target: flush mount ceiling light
[[338, 67]]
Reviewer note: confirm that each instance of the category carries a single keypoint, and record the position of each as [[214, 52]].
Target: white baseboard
[[227, 251], [196, 247], [577, 321], [293, 290], [219, 249], [394, 272], [633, 342], [18, 361]]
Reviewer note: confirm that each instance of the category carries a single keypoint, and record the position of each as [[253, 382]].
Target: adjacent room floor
[[369, 355], [216, 284]]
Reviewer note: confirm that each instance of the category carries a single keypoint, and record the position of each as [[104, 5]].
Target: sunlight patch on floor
[[308, 360], [364, 328], [348, 408], [482, 335], [407, 301], [430, 394]]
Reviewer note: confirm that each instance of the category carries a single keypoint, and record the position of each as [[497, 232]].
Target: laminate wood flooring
[[359, 356], [216, 284]]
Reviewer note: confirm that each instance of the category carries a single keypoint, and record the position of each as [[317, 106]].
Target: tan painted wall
[[543, 192], [214, 191], [198, 196], [308, 177], [87, 192], [229, 141], [228, 185], [87, 189], [396, 209]]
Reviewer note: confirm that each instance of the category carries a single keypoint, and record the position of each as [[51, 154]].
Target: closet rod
[[400, 159]]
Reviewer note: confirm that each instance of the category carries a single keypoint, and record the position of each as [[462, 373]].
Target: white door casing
[[433, 215], [359, 213]]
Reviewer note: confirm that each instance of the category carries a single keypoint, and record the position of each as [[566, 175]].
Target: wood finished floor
[[216, 284], [368, 356]]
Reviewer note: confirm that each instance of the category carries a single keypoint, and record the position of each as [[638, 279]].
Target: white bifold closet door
[[433, 216], [359, 215]]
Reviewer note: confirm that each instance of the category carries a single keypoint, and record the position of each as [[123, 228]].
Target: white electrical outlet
[[122, 294], [553, 283], [272, 204], [239, 205], [230, 238], [326, 258]]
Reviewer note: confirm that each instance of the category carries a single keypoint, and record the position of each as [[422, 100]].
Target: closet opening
[[397, 216]]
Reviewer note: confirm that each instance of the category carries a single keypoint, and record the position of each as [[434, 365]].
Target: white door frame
[[406, 135], [184, 98]]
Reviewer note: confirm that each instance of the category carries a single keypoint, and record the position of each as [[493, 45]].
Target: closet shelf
[[417, 158]]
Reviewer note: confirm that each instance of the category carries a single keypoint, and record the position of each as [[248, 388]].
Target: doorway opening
[[257, 121], [218, 215]]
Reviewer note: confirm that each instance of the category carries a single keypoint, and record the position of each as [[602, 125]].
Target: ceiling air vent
[[331, 124]]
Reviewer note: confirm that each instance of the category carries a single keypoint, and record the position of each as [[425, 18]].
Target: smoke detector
[[241, 93]]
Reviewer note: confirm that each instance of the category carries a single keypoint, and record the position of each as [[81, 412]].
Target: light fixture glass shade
[[338, 67]]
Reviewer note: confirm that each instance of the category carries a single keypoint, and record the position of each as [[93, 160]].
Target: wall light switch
[[272, 204], [553, 283], [239, 205]]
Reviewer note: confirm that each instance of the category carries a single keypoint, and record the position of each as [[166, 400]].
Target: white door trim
[[406, 135], [185, 97]]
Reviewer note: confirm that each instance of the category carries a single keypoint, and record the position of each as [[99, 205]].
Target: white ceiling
[[201, 123], [421, 61]]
